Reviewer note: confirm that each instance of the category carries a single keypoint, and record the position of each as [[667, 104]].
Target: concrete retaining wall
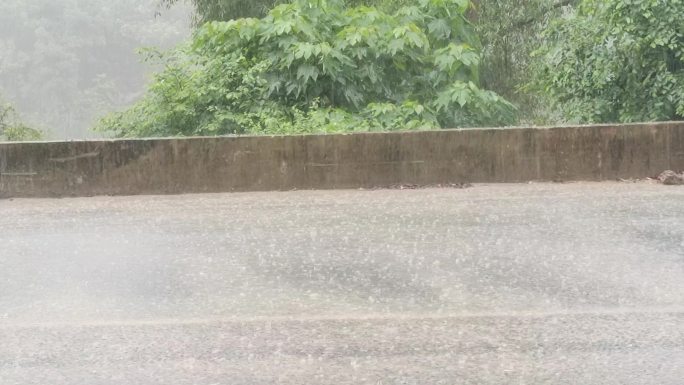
[[170, 166]]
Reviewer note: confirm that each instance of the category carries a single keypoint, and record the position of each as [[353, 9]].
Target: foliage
[[510, 31], [321, 67], [617, 61], [225, 10], [12, 129]]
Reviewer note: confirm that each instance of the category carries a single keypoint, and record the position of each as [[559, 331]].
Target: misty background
[[65, 63]]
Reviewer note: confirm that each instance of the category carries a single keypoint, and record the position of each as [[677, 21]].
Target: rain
[[183, 202]]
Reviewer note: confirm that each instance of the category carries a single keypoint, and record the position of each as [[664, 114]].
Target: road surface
[[495, 284]]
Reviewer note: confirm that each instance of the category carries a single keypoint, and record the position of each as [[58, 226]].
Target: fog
[[65, 63]]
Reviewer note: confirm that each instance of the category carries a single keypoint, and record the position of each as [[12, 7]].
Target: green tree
[[224, 10], [11, 127], [616, 61], [510, 32], [321, 67]]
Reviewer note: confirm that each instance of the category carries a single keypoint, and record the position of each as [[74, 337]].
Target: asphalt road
[[500, 284]]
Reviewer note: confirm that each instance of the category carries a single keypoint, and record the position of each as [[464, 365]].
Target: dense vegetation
[[322, 67], [509, 31], [291, 66], [616, 61], [223, 10]]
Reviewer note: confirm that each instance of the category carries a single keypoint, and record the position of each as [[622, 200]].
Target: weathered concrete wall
[[168, 166]]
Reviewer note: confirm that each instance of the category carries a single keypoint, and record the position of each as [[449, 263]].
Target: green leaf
[[396, 45], [440, 28], [307, 72]]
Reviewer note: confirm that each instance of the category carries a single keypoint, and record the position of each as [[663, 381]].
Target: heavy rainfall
[[254, 244]]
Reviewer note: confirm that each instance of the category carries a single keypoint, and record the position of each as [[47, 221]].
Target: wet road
[[515, 284]]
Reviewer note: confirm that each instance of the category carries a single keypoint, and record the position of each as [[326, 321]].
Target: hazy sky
[[65, 63]]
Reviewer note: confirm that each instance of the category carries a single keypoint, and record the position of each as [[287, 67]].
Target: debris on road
[[412, 186], [671, 178]]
